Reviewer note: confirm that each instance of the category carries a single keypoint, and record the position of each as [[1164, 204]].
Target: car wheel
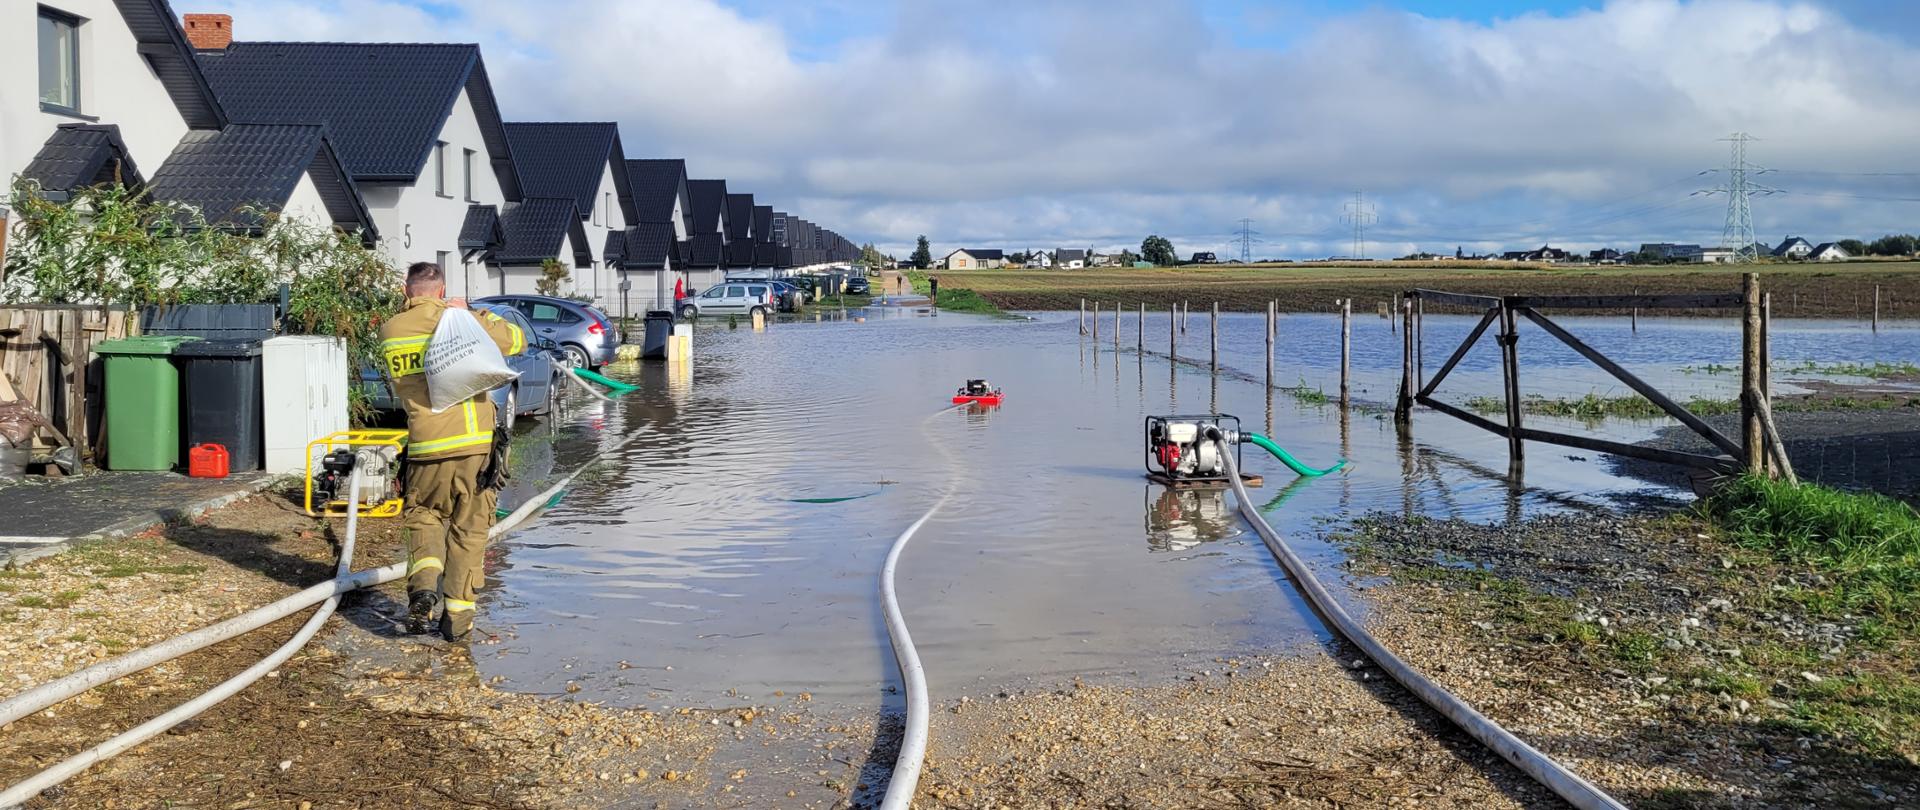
[[510, 414], [689, 313], [760, 311], [577, 356]]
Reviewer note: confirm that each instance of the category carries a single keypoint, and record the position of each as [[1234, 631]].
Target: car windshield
[[716, 292]]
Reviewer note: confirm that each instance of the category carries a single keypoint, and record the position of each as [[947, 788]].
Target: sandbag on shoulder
[[462, 361]]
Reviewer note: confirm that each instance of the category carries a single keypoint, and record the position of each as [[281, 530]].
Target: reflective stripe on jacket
[[463, 430]]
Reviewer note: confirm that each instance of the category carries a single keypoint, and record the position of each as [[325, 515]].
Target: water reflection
[[1180, 519]]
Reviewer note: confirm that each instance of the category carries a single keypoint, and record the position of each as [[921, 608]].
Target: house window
[[606, 206], [466, 173], [59, 61], [440, 258], [440, 168], [595, 212]]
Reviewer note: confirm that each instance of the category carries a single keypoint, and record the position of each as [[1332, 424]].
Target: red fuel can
[[207, 461]]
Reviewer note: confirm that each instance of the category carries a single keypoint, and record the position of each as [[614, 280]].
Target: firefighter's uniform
[[448, 511]]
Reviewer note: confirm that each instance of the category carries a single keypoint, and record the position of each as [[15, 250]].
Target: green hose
[[1291, 462], [610, 383]]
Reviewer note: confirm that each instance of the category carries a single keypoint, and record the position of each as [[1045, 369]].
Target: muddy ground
[[367, 718]]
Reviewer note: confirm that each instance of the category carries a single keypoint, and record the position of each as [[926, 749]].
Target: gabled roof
[[77, 156], [540, 228], [785, 257], [740, 253], [481, 229], [978, 253], [763, 223], [766, 254], [1788, 244], [1823, 246], [156, 30], [703, 251], [657, 184], [229, 173], [383, 104], [1069, 255], [709, 204], [739, 216], [565, 159], [648, 246]]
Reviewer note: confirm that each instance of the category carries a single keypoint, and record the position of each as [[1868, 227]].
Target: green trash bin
[[143, 402]]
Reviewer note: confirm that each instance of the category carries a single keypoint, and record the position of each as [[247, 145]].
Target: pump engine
[[377, 453], [1187, 448]]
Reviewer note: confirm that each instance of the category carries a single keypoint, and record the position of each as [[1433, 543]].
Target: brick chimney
[[209, 32]]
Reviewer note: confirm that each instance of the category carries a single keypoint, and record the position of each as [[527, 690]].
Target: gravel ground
[[1601, 640]]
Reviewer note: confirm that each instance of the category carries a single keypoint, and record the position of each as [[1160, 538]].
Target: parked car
[[729, 299], [789, 298], [539, 365], [585, 334], [858, 285]]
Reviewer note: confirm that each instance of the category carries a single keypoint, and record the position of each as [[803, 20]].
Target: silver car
[[731, 298], [586, 335]]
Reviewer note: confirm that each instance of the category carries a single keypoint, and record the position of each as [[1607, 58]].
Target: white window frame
[[440, 169]]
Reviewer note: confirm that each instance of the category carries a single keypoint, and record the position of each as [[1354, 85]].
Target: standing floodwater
[[736, 545]]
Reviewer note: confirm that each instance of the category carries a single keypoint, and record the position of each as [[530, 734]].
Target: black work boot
[[420, 608]]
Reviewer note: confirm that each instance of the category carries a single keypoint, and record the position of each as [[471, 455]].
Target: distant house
[[1070, 259], [1546, 253], [1716, 255], [1039, 259], [1605, 256], [1671, 252], [1794, 248], [1204, 257], [533, 231], [1828, 252], [1102, 260], [975, 259]]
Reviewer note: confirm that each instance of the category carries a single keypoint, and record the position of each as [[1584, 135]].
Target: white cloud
[[1081, 121]]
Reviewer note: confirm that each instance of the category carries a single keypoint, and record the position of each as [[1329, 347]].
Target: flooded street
[[736, 545]]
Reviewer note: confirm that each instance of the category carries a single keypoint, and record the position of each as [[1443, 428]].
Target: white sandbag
[[462, 361]]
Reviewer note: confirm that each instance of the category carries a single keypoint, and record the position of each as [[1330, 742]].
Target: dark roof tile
[[539, 228], [228, 174], [76, 156], [709, 204], [657, 185], [481, 230], [383, 103], [563, 159], [649, 246], [739, 216], [763, 223]]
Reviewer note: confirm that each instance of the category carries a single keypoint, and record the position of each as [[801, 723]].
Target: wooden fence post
[[1096, 321], [1116, 326], [1083, 316], [1213, 327], [1876, 307], [1510, 369], [1173, 333], [1635, 314], [1751, 428], [1346, 350], [1403, 404], [1140, 331], [1419, 342], [1186, 308], [1269, 344]]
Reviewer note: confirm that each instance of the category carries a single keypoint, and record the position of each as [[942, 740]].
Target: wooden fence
[[1759, 436], [46, 357]]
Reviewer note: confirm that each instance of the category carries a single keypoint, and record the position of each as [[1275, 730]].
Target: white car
[[732, 298]]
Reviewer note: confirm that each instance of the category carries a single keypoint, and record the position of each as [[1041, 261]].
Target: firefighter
[[449, 497]]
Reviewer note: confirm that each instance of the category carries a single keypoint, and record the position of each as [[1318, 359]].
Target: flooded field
[[735, 546]]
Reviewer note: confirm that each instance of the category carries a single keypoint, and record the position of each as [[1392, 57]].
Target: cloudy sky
[[1483, 124]]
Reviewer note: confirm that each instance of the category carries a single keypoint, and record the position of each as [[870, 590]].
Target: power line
[[1361, 215]]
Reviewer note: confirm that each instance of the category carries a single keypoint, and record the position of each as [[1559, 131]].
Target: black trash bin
[[659, 327], [221, 391]]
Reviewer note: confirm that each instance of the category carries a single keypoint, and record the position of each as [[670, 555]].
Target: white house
[[650, 260], [974, 259], [1039, 259], [1793, 247], [1828, 252], [705, 253], [109, 91], [1070, 259], [583, 162], [415, 125]]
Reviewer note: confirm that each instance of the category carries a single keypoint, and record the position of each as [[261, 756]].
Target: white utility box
[[303, 382]]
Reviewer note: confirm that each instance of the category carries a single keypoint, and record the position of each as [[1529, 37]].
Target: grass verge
[[952, 299], [1862, 548]]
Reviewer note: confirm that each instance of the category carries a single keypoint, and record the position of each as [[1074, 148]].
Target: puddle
[[736, 545]]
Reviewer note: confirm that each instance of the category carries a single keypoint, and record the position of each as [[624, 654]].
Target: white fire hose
[[1565, 783]]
